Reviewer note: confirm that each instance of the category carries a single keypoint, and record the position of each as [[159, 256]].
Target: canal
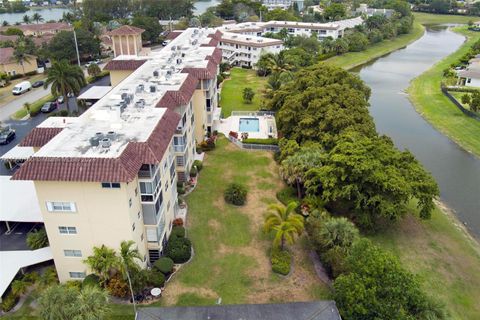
[[456, 171]]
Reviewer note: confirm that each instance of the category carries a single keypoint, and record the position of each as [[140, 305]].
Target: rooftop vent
[[155, 74], [179, 61], [94, 141], [105, 143], [195, 31], [140, 88], [111, 135], [140, 103], [174, 48], [153, 88]]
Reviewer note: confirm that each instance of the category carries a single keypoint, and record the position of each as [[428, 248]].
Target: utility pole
[[76, 46]]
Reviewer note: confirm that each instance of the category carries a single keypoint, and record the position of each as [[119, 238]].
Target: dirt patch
[[174, 290]]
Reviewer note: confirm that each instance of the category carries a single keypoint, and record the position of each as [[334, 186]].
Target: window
[[77, 275], [133, 226], [138, 215], [130, 202], [67, 230], [110, 185], [72, 253], [61, 207]]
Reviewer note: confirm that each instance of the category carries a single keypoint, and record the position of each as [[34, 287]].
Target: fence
[[250, 146], [459, 105], [253, 113]]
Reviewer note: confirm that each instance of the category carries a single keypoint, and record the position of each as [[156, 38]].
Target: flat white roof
[[95, 93], [12, 261], [18, 153], [18, 201], [230, 36], [144, 88]]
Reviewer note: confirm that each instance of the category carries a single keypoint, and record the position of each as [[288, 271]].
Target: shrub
[[281, 261], [91, 280], [235, 194], [164, 265], [178, 222], [270, 141], [287, 195], [37, 239], [75, 284], [233, 134], [193, 172], [9, 302], [178, 232], [117, 287], [179, 249], [181, 190], [156, 278], [198, 164]]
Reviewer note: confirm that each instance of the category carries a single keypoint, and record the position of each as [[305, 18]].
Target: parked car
[[6, 135], [61, 99], [49, 107], [22, 87], [98, 61], [37, 84], [166, 42]]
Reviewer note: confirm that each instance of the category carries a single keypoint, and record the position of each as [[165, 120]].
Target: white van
[[22, 87]]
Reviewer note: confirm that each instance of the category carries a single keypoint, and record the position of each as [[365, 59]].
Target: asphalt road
[[23, 127], [13, 106]]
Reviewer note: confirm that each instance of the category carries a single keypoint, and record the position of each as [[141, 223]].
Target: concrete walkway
[[319, 269]]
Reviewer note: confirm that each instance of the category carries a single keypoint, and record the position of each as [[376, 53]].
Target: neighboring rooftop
[[253, 41], [315, 310], [126, 30], [43, 27], [6, 55]]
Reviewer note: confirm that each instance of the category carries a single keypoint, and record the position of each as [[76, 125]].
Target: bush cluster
[[270, 141], [9, 302], [281, 261], [156, 278], [117, 287], [178, 232], [198, 164], [91, 280], [179, 249], [164, 265], [286, 195], [193, 172], [236, 194]]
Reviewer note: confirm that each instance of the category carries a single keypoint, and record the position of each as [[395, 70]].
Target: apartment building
[[245, 50], [110, 175], [283, 4]]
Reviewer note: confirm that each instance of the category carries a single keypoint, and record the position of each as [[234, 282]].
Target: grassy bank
[[443, 256], [429, 101], [354, 59], [232, 89], [430, 18]]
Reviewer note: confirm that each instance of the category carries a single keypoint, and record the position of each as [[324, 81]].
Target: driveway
[[23, 127]]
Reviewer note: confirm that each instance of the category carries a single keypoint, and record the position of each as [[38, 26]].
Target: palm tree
[[285, 223], [65, 78], [102, 262], [5, 23], [20, 54], [26, 19], [19, 287], [337, 233], [128, 256], [92, 303], [37, 17]]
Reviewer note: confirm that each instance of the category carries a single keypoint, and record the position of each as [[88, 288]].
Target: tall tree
[[103, 261], [128, 257], [62, 46], [20, 55], [372, 179], [151, 26], [26, 19], [285, 223], [65, 78], [37, 17]]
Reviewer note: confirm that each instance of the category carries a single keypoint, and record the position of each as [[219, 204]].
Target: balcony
[[179, 148]]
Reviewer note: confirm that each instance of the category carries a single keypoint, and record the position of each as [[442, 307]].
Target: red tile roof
[[210, 72], [216, 56], [122, 169], [39, 137], [212, 43], [6, 55], [182, 96], [124, 64], [126, 30], [53, 26], [8, 38]]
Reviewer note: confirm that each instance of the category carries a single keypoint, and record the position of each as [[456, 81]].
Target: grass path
[[443, 256], [231, 97], [354, 59], [429, 101], [430, 18], [231, 253]]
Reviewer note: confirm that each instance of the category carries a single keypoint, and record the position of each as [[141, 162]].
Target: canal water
[[456, 171]]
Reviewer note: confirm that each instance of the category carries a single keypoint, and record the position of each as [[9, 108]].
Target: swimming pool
[[249, 125]]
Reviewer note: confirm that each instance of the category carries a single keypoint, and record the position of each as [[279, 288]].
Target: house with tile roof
[[10, 66]]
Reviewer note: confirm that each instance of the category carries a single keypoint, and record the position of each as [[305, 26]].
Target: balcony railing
[[179, 148]]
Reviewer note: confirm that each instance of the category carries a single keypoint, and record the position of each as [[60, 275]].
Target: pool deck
[[266, 124]]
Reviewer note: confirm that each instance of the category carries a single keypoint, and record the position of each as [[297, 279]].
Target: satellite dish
[[156, 292]]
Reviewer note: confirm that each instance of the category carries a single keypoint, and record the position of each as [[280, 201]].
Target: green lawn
[[354, 59], [429, 101], [430, 18], [443, 256], [231, 97]]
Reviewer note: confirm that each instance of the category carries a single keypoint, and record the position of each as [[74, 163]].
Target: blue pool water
[[249, 125]]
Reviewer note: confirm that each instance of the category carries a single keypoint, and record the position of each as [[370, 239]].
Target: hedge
[[156, 279], [178, 232], [281, 261], [179, 249], [164, 265], [198, 164], [270, 141], [91, 280], [9, 302], [34, 107]]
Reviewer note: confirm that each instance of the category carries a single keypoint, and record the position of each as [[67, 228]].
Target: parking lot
[[16, 239]]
